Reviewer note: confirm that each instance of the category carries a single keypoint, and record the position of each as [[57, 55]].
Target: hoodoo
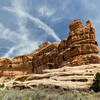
[[79, 48]]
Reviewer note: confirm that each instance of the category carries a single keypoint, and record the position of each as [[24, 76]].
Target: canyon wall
[[79, 48]]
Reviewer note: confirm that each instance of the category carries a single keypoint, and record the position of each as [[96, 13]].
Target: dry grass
[[47, 93]]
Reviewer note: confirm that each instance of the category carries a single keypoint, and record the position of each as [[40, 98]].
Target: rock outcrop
[[67, 77], [80, 48]]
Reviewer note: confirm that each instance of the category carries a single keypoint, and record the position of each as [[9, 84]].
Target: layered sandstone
[[79, 48], [67, 77]]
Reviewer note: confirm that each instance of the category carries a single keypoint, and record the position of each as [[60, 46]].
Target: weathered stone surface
[[22, 63], [83, 60], [19, 65], [76, 24], [63, 45], [79, 48], [81, 39], [4, 63], [45, 58], [45, 44], [68, 77]]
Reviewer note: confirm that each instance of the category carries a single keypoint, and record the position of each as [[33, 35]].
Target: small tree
[[96, 84]]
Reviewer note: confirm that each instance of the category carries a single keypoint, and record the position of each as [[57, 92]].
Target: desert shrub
[[96, 83], [64, 70], [8, 78], [22, 87], [1, 85], [46, 93], [7, 87], [41, 85]]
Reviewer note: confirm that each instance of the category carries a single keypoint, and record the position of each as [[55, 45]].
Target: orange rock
[[79, 48]]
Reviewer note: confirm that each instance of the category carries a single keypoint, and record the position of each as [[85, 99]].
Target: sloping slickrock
[[68, 77]]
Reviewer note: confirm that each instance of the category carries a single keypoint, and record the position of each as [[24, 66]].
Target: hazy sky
[[25, 24]]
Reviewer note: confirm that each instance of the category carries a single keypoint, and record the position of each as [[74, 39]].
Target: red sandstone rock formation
[[79, 48], [68, 77]]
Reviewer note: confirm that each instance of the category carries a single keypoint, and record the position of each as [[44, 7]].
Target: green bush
[[1, 85], [21, 87], [64, 70], [96, 84], [40, 85]]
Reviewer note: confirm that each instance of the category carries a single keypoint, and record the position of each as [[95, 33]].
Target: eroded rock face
[[19, 65], [79, 48], [67, 77], [5, 64], [81, 40], [22, 63], [45, 59]]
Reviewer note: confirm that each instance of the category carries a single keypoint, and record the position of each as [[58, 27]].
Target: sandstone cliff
[[80, 48], [67, 77]]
